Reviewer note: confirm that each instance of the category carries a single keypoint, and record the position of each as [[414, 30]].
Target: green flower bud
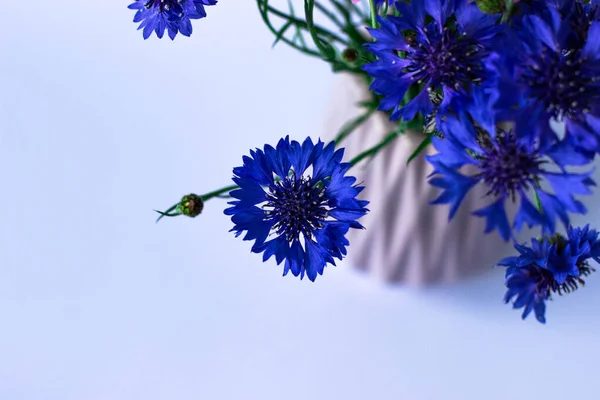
[[350, 55], [191, 205], [492, 6]]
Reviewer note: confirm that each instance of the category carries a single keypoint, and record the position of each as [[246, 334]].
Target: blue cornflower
[[554, 64], [445, 56], [173, 15], [510, 166], [554, 264], [298, 196]]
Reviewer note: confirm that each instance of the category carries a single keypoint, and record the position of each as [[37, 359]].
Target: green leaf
[[281, 32], [327, 51], [298, 35], [168, 213], [538, 202], [373, 151], [351, 125]]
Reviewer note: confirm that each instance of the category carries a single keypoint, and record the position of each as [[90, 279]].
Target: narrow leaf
[[281, 32], [422, 146]]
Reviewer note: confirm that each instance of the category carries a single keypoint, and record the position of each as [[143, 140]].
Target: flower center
[[507, 167], [546, 284], [561, 82], [298, 206], [582, 17], [448, 59], [162, 4], [572, 283]]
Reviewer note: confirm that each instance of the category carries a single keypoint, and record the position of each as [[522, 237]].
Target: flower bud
[[350, 55], [492, 6], [191, 205]]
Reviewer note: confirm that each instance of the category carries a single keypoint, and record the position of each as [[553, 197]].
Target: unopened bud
[[350, 55], [191, 205], [492, 6]]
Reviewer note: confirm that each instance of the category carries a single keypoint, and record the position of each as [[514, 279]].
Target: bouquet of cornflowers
[[484, 81]]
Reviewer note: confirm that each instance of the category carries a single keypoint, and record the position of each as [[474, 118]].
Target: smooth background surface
[[97, 302]]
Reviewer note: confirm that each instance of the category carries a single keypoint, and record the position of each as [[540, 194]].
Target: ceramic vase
[[406, 239]]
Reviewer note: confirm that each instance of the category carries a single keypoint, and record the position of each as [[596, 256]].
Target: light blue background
[[97, 302]]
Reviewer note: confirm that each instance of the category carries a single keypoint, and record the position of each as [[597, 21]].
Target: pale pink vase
[[406, 239]]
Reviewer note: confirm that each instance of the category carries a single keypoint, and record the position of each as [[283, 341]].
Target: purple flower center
[[448, 59], [162, 4], [545, 284], [297, 206], [561, 81], [506, 166], [581, 17]]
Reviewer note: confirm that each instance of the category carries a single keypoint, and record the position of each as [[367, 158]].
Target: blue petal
[[552, 208], [295, 259], [413, 15], [300, 154], [471, 19], [440, 10], [420, 103], [591, 49], [449, 153], [462, 131], [527, 214], [496, 218], [543, 31], [278, 247], [314, 261], [564, 153], [455, 186]]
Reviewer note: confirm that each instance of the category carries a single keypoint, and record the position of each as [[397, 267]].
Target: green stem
[[218, 192], [298, 42], [205, 197], [373, 14], [538, 202], [350, 126], [327, 52], [287, 41], [508, 12], [167, 213], [329, 15], [348, 11], [371, 152], [301, 23]]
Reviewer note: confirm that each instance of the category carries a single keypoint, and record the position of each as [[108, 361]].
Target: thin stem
[[371, 152], [218, 192], [329, 15], [350, 126], [301, 23], [287, 41], [538, 202], [314, 30], [167, 213], [299, 34], [350, 26], [373, 14], [327, 52]]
